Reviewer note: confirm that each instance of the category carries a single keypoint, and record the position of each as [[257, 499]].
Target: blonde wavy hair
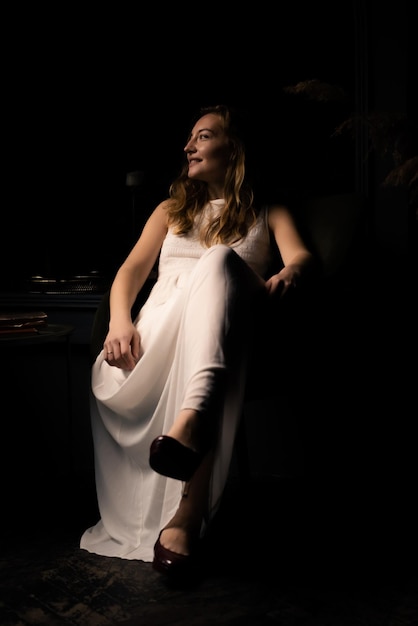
[[187, 197]]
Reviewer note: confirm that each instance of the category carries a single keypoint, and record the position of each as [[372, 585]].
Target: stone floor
[[282, 551]]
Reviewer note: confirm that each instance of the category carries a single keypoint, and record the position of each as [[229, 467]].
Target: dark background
[[90, 95], [93, 95]]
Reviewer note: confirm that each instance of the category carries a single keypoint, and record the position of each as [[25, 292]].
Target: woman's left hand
[[284, 282]]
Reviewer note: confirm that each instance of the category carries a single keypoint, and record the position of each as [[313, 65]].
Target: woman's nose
[[189, 147]]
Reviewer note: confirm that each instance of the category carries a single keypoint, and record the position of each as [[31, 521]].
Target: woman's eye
[[203, 136]]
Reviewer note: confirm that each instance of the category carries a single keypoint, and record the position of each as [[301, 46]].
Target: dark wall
[[91, 97], [393, 89], [94, 97]]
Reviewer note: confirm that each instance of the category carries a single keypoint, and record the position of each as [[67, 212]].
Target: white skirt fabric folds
[[196, 327]]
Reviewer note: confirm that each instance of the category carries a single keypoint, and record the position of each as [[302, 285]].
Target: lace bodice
[[255, 248]]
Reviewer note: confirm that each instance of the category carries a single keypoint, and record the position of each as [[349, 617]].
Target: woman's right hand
[[122, 346]]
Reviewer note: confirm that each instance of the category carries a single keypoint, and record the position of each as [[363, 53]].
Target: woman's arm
[[296, 257], [122, 342]]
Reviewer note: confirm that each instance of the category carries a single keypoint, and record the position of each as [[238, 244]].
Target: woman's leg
[[217, 330], [223, 298], [186, 429], [183, 530]]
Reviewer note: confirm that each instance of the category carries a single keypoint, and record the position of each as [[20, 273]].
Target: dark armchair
[[289, 367]]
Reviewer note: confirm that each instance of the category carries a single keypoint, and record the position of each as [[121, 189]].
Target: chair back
[[334, 229]]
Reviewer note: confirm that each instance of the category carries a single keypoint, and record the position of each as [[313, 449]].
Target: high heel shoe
[[170, 563], [171, 458]]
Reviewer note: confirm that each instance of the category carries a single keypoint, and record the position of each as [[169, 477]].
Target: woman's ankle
[[178, 539], [186, 429]]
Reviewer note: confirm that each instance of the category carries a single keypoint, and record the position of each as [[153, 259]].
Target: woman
[[167, 387]]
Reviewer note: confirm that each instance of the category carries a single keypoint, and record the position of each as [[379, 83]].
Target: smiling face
[[208, 151]]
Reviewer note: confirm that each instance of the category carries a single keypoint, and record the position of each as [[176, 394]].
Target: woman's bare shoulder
[[160, 211], [277, 212]]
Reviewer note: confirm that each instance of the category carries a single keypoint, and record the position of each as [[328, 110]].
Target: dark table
[[52, 333]]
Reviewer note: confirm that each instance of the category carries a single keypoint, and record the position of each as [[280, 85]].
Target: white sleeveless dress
[[195, 327]]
